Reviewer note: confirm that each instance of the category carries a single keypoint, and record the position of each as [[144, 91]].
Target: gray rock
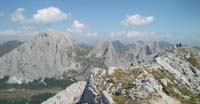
[[71, 95], [114, 53], [48, 54]]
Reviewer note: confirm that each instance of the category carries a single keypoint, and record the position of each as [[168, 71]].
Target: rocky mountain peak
[[54, 36], [48, 54], [116, 53]]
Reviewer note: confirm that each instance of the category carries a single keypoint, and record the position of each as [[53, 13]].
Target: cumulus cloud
[[18, 16], [49, 15], [138, 20], [77, 27], [42, 16]]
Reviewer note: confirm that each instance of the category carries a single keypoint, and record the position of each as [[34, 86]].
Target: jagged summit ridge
[[46, 55], [52, 53], [114, 53]]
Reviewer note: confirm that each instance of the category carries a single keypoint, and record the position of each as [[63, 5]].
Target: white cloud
[[128, 34], [138, 20], [9, 32], [92, 34], [14, 32], [49, 15], [42, 16], [77, 27], [18, 16], [117, 34], [133, 34]]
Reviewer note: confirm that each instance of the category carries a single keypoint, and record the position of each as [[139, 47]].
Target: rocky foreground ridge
[[173, 77]]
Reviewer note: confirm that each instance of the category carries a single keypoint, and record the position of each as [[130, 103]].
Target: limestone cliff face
[[114, 53], [48, 54], [52, 53]]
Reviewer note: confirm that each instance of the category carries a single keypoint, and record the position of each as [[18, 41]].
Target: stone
[[70, 95]]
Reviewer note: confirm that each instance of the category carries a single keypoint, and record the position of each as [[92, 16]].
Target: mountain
[[8, 46], [140, 72], [173, 78], [48, 54], [114, 53], [197, 48], [52, 54]]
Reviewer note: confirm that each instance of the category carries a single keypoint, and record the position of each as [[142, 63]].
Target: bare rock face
[[52, 53], [173, 78], [48, 54], [70, 95], [114, 53], [184, 64]]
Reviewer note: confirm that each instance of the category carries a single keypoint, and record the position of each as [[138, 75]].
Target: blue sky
[[89, 20]]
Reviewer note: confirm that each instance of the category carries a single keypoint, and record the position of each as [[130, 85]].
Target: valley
[[51, 68], [33, 92]]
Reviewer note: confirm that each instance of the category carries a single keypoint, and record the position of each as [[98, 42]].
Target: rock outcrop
[[71, 95], [168, 80], [114, 53], [52, 54], [48, 54]]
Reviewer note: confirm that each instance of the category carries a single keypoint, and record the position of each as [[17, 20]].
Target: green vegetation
[[119, 99], [192, 60], [143, 100], [30, 93], [170, 87], [81, 52], [161, 74], [36, 84], [24, 98], [182, 53], [124, 100], [126, 77], [192, 53], [171, 50], [8, 46], [37, 99]]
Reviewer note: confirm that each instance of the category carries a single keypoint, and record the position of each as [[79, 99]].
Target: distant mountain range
[[141, 72], [52, 54], [114, 53]]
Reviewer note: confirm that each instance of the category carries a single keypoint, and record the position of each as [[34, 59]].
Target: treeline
[[36, 84]]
